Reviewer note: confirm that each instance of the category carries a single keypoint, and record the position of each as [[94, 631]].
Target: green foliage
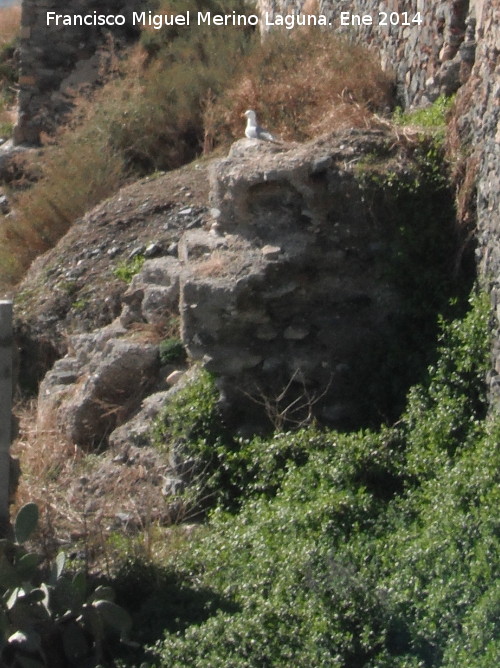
[[50, 617], [370, 549], [26, 522], [192, 415], [172, 350], [80, 304], [432, 121], [446, 413], [8, 80], [127, 269], [8, 69], [432, 118], [192, 431], [5, 126]]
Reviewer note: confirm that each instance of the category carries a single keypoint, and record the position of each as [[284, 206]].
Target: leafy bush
[[51, 618], [370, 549], [191, 430], [445, 414]]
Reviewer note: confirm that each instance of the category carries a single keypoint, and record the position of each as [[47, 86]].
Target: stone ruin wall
[[456, 48], [479, 127]]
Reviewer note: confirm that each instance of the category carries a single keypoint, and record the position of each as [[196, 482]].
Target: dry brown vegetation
[[10, 20], [86, 501], [177, 98], [77, 174], [306, 84]]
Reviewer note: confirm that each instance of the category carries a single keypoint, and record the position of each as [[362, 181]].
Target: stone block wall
[[307, 293], [479, 124], [456, 48]]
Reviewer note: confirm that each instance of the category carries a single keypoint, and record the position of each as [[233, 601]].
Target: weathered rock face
[[74, 288], [299, 297], [479, 102], [314, 283], [97, 386]]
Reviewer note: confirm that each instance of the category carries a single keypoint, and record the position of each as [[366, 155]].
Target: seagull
[[253, 129]]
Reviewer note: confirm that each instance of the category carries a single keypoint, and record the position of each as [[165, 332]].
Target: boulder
[[91, 392]]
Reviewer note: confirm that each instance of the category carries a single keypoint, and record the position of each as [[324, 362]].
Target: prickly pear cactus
[[55, 619]]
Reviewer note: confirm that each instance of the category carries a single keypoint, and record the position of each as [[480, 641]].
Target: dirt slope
[[74, 288]]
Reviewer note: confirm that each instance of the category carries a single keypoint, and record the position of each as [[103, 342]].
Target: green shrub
[[432, 118], [370, 549], [192, 431], [127, 269], [172, 350], [443, 415]]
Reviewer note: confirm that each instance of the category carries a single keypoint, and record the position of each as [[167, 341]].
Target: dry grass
[[149, 119], [45, 459], [10, 20], [306, 84], [76, 174], [463, 159], [179, 95], [154, 333], [88, 503], [213, 266]]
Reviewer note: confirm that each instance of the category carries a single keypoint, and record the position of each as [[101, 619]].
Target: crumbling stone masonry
[[429, 59], [455, 49]]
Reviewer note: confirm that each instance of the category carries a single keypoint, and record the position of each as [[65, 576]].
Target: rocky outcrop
[[315, 277], [98, 385], [75, 288]]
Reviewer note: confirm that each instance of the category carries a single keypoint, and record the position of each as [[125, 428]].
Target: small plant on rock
[[126, 270], [172, 351], [51, 617]]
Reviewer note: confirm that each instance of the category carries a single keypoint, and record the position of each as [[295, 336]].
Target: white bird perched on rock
[[253, 129]]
